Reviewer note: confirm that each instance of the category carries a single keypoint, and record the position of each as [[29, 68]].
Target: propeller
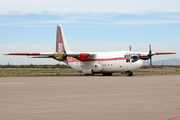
[[150, 55], [130, 47], [65, 55], [60, 56]]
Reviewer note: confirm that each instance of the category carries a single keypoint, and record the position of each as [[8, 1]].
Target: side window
[[127, 60], [127, 57]]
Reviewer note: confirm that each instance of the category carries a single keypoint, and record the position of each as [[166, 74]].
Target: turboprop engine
[[84, 57], [60, 56]]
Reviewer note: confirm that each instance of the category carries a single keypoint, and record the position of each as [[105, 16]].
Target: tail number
[[60, 47]]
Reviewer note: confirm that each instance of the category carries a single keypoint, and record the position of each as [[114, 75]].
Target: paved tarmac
[[147, 97]]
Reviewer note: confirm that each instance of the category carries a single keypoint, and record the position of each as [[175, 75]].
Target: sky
[[89, 25]]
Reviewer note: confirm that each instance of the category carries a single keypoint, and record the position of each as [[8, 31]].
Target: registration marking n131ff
[[60, 47]]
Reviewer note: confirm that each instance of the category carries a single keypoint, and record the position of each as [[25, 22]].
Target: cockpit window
[[134, 57]]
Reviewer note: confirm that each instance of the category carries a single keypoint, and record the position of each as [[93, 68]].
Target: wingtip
[[22, 53], [6, 54]]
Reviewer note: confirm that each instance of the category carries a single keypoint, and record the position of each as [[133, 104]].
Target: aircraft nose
[[139, 63]]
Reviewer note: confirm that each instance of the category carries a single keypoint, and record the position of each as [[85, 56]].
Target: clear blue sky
[[90, 22]]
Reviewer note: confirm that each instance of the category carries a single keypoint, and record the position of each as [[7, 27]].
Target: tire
[[107, 74], [129, 73]]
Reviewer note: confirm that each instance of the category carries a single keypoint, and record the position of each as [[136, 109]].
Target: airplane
[[90, 63]]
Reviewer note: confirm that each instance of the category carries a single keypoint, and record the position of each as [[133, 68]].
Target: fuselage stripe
[[70, 59]]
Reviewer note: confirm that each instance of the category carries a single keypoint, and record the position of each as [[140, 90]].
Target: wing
[[81, 56], [148, 55], [60, 56], [35, 55]]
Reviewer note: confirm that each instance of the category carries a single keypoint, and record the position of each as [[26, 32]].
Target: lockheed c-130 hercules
[[90, 63]]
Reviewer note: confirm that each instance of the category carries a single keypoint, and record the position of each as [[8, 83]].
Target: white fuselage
[[106, 62]]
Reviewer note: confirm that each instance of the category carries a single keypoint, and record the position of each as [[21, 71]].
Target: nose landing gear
[[129, 73]]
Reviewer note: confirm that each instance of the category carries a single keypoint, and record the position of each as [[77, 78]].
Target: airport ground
[[141, 97], [12, 72]]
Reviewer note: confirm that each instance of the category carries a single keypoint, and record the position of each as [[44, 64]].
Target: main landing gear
[[129, 73], [107, 74]]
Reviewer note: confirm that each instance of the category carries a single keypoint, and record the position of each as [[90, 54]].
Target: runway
[[147, 97]]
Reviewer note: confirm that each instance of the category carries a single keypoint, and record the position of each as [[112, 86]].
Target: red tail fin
[[61, 44], [59, 40]]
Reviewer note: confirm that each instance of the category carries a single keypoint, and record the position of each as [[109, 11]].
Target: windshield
[[134, 57]]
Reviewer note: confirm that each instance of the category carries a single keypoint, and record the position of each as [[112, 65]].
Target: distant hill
[[172, 61]]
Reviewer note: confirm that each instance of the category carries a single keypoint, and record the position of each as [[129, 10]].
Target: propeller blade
[[130, 48], [65, 55], [150, 55], [151, 61]]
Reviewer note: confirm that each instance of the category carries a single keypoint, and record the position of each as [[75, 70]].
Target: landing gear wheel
[[107, 74], [129, 73], [89, 74]]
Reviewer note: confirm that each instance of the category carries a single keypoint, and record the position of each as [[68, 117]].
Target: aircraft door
[[97, 67], [79, 66]]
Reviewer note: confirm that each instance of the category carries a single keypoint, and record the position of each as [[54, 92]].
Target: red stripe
[[110, 59], [24, 54], [70, 59], [144, 57]]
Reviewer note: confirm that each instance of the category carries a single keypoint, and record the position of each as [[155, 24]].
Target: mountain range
[[172, 61]]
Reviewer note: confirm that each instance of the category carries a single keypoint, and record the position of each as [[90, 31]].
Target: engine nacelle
[[84, 57], [59, 56], [144, 57]]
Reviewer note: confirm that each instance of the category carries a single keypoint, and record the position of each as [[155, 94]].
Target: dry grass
[[4, 72]]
